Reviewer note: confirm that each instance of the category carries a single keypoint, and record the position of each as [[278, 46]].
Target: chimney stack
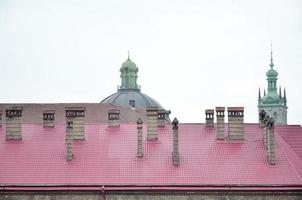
[[209, 118], [140, 138], [152, 118], [76, 115], [114, 118], [13, 123], [175, 154], [269, 137], [271, 142], [220, 122], [265, 121], [1, 118], [48, 118], [69, 139], [161, 117], [235, 123]]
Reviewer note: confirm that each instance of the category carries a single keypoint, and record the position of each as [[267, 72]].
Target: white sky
[[191, 54]]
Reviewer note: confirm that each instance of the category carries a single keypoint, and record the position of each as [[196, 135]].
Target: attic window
[[132, 103]]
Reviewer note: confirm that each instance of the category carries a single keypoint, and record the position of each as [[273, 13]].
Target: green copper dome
[[272, 73], [271, 98], [128, 64]]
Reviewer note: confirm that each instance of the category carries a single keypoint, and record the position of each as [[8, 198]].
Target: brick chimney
[[13, 123], [76, 115], [209, 118], [269, 137], [220, 122], [175, 154], [271, 142], [161, 118], [266, 120], [69, 139], [235, 123], [48, 118], [140, 138], [152, 118], [114, 118]]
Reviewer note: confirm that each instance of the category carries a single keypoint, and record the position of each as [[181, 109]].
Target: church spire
[[259, 94], [272, 63], [280, 94], [284, 96]]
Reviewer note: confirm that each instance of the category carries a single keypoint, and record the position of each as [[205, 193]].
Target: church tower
[[273, 103]]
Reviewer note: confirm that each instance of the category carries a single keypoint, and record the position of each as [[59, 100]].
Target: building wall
[[150, 195]]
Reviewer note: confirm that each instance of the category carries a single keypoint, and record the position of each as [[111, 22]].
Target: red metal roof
[[108, 157]]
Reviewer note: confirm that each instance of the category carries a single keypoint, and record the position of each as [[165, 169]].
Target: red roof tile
[[108, 157]]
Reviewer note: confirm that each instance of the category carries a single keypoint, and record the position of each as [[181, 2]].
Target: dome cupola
[[129, 75]]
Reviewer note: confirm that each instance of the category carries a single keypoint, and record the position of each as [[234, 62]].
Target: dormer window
[[132, 103]]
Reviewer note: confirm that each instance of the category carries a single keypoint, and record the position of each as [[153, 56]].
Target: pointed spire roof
[[280, 94], [272, 63], [259, 94], [272, 73]]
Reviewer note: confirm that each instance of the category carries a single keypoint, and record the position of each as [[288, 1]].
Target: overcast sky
[[192, 54]]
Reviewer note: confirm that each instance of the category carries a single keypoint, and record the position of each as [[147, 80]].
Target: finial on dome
[[272, 64], [128, 55]]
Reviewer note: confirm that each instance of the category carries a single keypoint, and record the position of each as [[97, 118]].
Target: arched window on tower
[[275, 116]]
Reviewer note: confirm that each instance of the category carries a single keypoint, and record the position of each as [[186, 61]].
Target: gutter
[[112, 188]]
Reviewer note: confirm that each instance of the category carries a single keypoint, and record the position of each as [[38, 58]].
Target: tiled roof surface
[[108, 157], [293, 136]]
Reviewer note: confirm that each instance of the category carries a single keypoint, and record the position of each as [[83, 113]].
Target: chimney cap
[[161, 111], [152, 109], [15, 108], [115, 111], [49, 111], [75, 108], [209, 111], [220, 108], [235, 108], [139, 121], [262, 114], [175, 122]]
